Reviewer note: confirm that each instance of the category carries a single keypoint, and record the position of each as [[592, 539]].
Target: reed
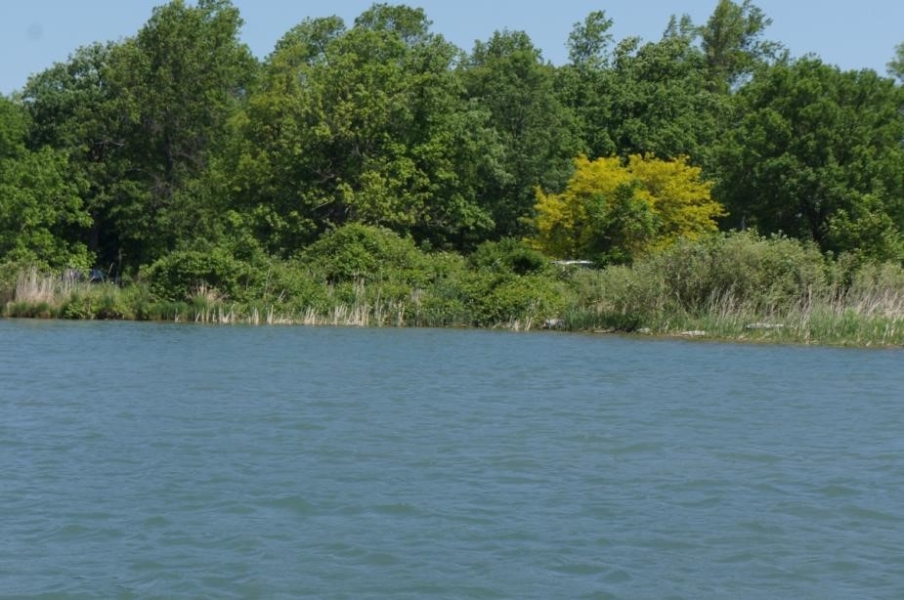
[[737, 287]]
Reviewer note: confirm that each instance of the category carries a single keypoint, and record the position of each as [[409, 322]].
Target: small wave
[[292, 504], [400, 509]]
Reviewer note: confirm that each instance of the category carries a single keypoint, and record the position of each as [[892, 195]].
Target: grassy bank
[[736, 287], [741, 287], [48, 296]]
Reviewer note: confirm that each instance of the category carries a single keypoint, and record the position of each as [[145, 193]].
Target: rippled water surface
[[142, 460]]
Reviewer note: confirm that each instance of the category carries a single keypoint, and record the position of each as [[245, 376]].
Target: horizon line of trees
[[179, 139]]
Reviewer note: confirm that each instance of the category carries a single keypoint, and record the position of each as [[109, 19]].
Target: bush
[[500, 299], [178, 276], [362, 252], [509, 256], [763, 274]]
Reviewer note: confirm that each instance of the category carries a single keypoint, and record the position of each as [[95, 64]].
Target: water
[[141, 461]]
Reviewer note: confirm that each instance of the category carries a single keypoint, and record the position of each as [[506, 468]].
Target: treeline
[[178, 142]]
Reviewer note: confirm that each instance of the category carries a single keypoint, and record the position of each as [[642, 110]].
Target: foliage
[[507, 76], [732, 42], [180, 275], [376, 173], [40, 207], [174, 87], [584, 84], [362, 125], [896, 65], [14, 125], [361, 252], [72, 109], [509, 256], [816, 154], [765, 274], [615, 212], [500, 299], [670, 97]]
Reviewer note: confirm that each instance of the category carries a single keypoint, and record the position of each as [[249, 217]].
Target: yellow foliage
[[624, 209]]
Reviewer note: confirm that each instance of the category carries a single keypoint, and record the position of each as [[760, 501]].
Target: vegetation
[[374, 173], [616, 212]]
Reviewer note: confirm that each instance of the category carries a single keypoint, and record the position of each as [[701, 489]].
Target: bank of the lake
[[732, 287]]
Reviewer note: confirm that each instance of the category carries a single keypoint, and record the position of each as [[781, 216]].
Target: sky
[[34, 34]]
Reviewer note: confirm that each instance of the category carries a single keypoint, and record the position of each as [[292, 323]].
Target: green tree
[[39, 205], [14, 126], [507, 76], [274, 171], [364, 125], [584, 84], [176, 84], [72, 109], [732, 42], [659, 97], [816, 154], [589, 40], [896, 65]]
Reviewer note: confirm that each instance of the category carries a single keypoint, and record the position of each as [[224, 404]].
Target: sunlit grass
[[740, 288]]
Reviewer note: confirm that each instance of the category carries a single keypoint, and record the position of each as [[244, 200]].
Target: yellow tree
[[614, 211]]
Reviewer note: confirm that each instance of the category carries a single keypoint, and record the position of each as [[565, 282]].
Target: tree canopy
[[615, 211], [177, 140], [816, 153]]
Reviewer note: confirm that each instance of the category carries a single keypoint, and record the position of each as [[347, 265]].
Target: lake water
[[145, 460]]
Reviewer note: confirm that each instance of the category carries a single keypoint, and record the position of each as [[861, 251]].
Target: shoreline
[[734, 288], [777, 336]]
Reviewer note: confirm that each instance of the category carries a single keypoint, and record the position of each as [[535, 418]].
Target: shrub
[[179, 275], [509, 256], [763, 274], [363, 252], [499, 299]]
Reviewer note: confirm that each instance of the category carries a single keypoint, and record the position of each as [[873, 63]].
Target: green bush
[[626, 297], [763, 274], [289, 284], [178, 276], [30, 310], [509, 256], [362, 252], [500, 299]]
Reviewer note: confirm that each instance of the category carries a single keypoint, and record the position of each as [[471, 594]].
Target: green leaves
[[732, 42], [363, 125], [175, 85], [40, 208], [507, 77], [815, 151], [896, 65], [177, 140]]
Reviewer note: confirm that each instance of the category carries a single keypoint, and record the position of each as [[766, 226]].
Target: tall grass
[[738, 286], [747, 288]]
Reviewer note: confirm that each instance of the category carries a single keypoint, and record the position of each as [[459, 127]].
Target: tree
[[365, 125], [589, 41], [732, 42], [39, 204], [175, 84], [14, 125], [507, 77], [896, 66], [584, 84], [816, 154], [613, 211], [659, 98], [72, 109]]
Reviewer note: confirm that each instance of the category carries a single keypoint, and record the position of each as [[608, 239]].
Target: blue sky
[[36, 33]]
